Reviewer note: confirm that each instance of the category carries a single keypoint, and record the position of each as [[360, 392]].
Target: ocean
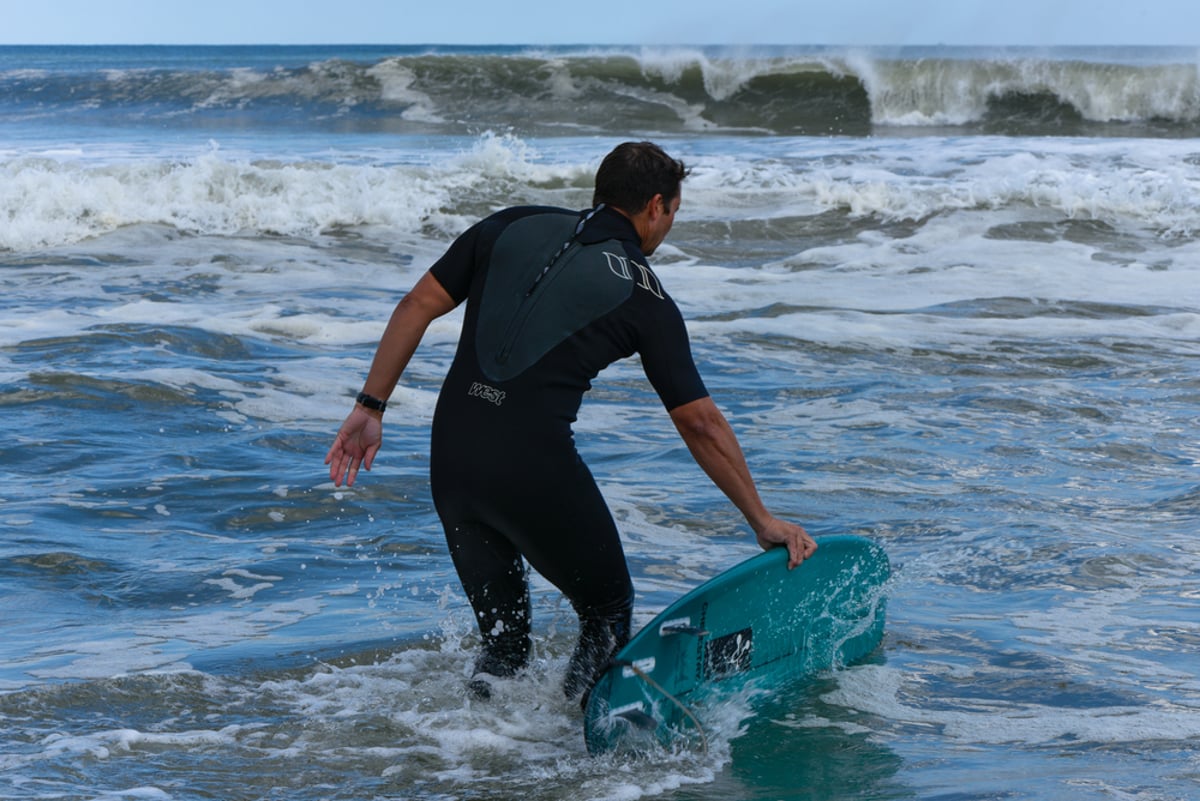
[[948, 298]]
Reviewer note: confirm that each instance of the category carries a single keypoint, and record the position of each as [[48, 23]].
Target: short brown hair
[[633, 173]]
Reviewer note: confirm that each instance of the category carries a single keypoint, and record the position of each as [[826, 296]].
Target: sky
[[618, 22]]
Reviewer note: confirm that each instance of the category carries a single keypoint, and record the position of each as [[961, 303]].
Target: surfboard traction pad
[[756, 622]]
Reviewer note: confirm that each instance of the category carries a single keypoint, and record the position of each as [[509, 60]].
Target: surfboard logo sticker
[[730, 654]]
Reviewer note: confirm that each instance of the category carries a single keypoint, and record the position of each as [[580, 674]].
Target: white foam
[[527, 732], [1150, 183], [134, 793], [50, 203], [881, 691], [164, 644], [54, 201], [849, 292]]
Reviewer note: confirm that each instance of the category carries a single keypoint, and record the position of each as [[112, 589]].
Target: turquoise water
[[972, 340]]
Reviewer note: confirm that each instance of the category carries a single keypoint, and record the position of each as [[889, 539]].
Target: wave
[[48, 202], [797, 91]]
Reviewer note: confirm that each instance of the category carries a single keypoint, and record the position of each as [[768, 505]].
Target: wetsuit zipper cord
[[578, 230]]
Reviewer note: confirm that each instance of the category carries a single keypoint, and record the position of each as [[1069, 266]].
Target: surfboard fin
[[638, 719]]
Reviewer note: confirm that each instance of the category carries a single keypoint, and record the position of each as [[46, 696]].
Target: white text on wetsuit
[[491, 394], [620, 267]]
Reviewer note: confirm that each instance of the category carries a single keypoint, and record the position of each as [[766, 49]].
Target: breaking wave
[[780, 91]]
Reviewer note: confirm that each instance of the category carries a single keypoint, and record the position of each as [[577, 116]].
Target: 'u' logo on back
[[624, 267]]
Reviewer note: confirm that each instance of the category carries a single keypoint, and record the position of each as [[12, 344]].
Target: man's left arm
[[715, 448]]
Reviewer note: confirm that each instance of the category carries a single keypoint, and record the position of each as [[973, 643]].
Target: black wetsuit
[[551, 301]]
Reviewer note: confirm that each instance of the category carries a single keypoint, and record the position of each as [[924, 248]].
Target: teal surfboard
[[757, 621]]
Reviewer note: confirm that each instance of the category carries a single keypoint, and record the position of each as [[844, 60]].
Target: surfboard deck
[[757, 622]]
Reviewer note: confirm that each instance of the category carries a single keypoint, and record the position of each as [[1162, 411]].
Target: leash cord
[[644, 676]]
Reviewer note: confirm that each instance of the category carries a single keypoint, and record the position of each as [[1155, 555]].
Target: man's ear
[[656, 207]]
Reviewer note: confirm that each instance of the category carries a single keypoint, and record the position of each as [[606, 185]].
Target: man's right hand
[[355, 446]]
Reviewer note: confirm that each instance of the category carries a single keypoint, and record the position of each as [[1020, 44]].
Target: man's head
[[640, 180], [633, 173]]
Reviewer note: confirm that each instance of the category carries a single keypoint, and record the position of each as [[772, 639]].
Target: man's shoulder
[[490, 228], [513, 213]]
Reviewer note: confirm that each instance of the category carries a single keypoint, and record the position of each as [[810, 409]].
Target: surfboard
[[756, 622]]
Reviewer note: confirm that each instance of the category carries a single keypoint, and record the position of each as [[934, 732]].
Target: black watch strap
[[371, 402]]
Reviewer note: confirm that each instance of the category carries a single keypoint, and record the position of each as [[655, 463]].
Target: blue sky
[[637, 22]]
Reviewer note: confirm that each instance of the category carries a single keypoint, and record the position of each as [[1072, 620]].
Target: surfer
[[553, 297]]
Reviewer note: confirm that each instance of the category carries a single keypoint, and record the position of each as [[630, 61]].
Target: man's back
[[551, 303]]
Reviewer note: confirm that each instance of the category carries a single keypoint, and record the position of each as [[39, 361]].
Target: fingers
[[344, 471], [348, 468], [369, 457], [337, 470], [800, 548], [799, 544], [343, 466], [354, 462], [337, 459]]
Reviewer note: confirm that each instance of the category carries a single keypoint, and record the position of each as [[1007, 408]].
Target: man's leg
[[573, 542], [601, 635], [493, 575]]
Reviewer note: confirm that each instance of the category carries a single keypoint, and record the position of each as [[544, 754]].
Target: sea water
[[949, 300]]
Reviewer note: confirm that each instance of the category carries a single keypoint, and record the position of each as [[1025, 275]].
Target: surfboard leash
[[644, 676]]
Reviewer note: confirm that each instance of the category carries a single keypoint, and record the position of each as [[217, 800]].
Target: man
[[553, 297]]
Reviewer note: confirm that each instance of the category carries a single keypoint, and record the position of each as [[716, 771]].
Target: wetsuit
[[553, 297]]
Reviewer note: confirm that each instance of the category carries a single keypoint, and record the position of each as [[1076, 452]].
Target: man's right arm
[[361, 434], [424, 303]]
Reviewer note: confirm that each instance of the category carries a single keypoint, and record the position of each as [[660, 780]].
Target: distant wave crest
[[818, 92]]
